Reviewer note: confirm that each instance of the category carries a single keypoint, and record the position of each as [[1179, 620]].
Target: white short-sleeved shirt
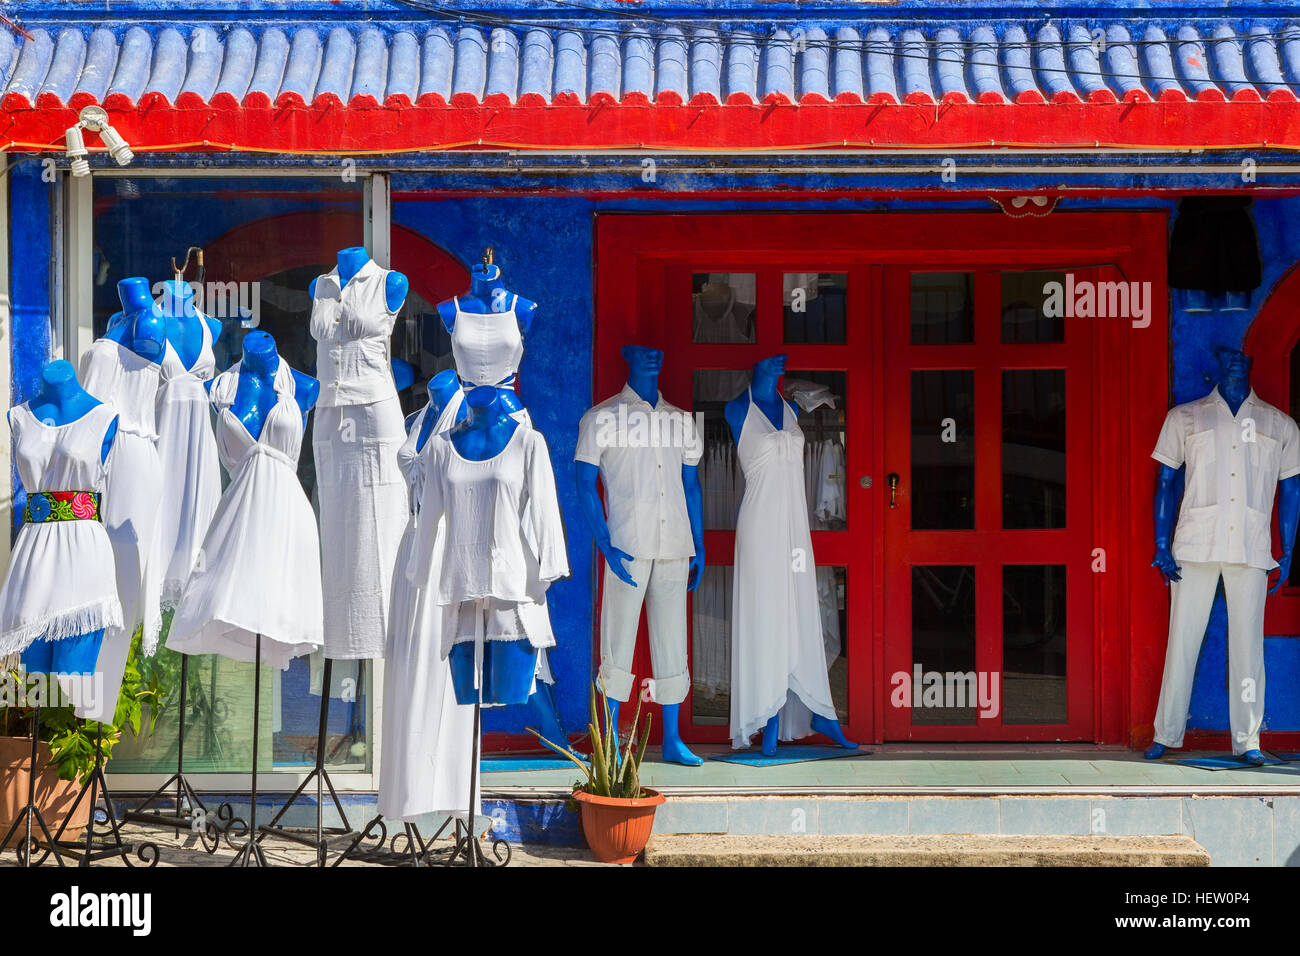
[[1233, 466], [640, 451]]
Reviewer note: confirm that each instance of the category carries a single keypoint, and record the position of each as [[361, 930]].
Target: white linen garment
[[640, 450], [1234, 463], [358, 429], [661, 587], [426, 753], [258, 571], [187, 449], [61, 581], [778, 660], [1191, 599], [115, 374], [487, 346]]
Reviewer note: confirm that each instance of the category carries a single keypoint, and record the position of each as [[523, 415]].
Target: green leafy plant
[[72, 738], [609, 774]]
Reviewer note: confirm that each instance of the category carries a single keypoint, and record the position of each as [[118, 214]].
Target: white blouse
[[351, 325], [504, 532]]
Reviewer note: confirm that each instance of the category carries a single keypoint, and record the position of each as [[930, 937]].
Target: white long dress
[[427, 737], [778, 661], [258, 571], [115, 374], [187, 450], [60, 582]]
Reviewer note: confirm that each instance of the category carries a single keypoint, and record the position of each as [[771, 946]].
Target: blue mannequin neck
[[488, 428], [350, 262], [442, 388], [61, 399], [1234, 389], [184, 324], [645, 384]]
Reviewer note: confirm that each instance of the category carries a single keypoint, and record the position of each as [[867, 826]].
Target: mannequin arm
[[694, 508], [1166, 511], [1288, 514], [594, 512]]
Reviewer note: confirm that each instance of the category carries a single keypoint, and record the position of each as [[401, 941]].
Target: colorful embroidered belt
[[45, 506]]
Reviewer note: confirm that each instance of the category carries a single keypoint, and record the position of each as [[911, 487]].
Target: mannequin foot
[[832, 729], [674, 751], [1255, 758], [771, 734], [1155, 751]]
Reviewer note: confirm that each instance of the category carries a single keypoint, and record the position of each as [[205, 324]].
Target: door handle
[[892, 480]]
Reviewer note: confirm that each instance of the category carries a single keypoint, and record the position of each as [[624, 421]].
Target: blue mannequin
[[255, 391], [488, 294], [643, 367], [141, 325], [768, 400], [1233, 380], [184, 328], [60, 401], [350, 261], [508, 666]]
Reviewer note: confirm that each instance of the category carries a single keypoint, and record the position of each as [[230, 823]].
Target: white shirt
[[1233, 466], [640, 451], [504, 532], [487, 346], [351, 327]]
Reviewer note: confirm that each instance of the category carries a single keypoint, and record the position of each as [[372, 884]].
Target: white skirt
[[363, 513]]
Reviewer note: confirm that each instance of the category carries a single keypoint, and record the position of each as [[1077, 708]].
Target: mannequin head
[[259, 354], [59, 378], [642, 360], [771, 367], [177, 297], [1232, 366]]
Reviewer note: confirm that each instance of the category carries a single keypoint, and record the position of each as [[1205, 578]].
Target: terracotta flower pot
[[617, 829], [54, 797]]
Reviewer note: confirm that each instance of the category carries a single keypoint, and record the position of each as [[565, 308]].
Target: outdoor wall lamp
[[95, 119]]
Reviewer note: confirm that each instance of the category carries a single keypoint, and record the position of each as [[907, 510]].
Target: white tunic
[[258, 571], [487, 346], [427, 737], [187, 450], [61, 581], [113, 373], [778, 662], [358, 429]]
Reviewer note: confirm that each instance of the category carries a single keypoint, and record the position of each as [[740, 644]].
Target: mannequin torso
[[140, 326], [61, 400], [488, 427], [765, 394], [184, 324], [255, 391], [350, 261]]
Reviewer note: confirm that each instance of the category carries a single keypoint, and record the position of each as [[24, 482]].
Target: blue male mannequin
[[643, 368], [61, 400], [767, 398], [141, 325], [255, 391], [487, 295], [1233, 382], [350, 261], [184, 324]]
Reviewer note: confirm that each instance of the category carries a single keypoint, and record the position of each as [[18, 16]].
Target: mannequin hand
[[615, 558], [1284, 571], [1168, 568], [696, 571]]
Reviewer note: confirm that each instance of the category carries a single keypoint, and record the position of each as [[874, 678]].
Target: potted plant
[[617, 813], [65, 753]]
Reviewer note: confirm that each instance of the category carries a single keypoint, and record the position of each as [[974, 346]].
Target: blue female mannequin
[[350, 261], [60, 401], [184, 324], [488, 295], [255, 392], [141, 325], [643, 367], [767, 399]]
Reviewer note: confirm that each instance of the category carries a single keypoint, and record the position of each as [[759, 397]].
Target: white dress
[[359, 427], [427, 737], [61, 581], [778, 661], [187, 449], [487, 347], [115, 374], [258, 571]]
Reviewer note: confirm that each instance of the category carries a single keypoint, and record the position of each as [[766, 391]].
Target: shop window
[[815, 308], [943, 308], [1033, 644], [723, 306], [1023, 317]]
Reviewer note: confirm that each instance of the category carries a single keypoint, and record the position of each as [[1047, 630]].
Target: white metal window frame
[[72, 315]]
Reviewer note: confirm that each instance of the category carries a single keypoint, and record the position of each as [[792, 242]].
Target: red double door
[[952, 400]]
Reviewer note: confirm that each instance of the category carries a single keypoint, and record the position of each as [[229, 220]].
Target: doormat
[[1234, 763], [794, 753], [519, 764]]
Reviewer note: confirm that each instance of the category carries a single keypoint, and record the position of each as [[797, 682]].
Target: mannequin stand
[[324, 835], [31, 812], [401, 850], [466, 843], [189, 812], [89, 850], [251, 852]]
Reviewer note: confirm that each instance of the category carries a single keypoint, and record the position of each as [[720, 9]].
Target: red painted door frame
[[636, 300]]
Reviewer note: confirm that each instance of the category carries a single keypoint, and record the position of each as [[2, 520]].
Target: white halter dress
[[424, 766], [778, 661], [187, 450], [61, 581], [115, 374], [258, 571]]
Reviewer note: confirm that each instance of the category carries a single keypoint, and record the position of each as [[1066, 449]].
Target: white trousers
[[1190, 601], [662, 587]]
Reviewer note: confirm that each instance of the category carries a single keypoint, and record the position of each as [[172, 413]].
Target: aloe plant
[[610, 773]]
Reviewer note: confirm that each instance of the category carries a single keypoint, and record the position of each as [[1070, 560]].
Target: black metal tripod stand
[[31, 812], [251, 852]]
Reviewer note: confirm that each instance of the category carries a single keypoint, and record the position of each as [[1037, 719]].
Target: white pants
[[1245, 589], [663, 582]]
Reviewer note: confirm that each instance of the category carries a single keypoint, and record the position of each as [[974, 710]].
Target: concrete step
[[949, 849]]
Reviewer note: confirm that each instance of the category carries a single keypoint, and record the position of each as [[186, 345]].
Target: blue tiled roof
[[397, 64]]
